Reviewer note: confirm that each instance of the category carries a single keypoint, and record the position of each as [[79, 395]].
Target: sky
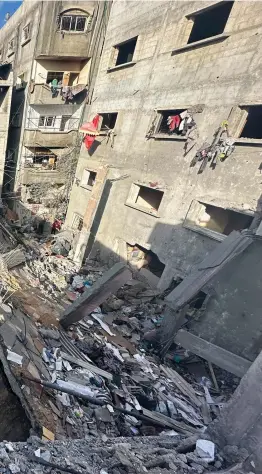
[[7, 7]]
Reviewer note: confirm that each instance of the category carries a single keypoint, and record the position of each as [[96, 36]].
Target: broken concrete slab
[[215, 354], [149, 277], [109, 283]]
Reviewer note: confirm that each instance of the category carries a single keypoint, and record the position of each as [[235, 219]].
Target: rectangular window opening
[[149, 198], [54, 75], [48, 121], [164, 121], [26, 33], [65, 122], [88, 178], [216, 219], [253, 125], [73, 23], [108, 121], [77, 223], [126, 51], [210, 22]]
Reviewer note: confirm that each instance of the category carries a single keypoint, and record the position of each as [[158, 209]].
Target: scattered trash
[[13, 357]]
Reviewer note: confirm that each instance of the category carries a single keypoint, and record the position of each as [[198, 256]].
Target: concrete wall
[[219, 76], [232, 318]]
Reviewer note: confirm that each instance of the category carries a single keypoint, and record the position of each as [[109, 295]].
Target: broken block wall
[[219, 75]]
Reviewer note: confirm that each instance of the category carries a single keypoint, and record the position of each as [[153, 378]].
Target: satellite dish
[[7, 16]]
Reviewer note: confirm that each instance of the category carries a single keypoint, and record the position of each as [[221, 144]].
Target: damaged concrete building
[[177, 164], [49, 46]]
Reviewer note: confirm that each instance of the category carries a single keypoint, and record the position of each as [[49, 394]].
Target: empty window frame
[[77, 222], [46, 121], [88, 179], [108, 121], [145, 199], [73, 23], [65, 125], [163, 121], [252, 125], [210, 22], [218, 220], [26, 33], [126, 51], [149, 198], [11, 46]]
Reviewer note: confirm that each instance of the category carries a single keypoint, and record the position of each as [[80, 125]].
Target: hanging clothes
[[66, 93], [91, 131], [173, 122], [54, 88]]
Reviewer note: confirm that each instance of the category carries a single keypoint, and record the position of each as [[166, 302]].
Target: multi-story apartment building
[[6, 84], [179, 88], [50, 47]]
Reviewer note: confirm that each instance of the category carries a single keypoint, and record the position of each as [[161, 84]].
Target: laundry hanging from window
[[181, 123], [90, 129], [219, 150]]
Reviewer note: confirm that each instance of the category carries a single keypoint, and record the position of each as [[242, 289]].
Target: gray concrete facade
[[220, 76]]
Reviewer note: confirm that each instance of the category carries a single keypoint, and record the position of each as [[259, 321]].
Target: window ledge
[[198, 44], [25, 41], [120, 66], [166, 136], [64, 32], [10, 53], [212, 234], [143, 209], [87, 187], [248, 141]]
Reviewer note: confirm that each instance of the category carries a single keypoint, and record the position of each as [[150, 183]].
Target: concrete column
[[240, 422]]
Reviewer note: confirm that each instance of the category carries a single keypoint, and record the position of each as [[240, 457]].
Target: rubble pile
[[102, 379], [113, 456]]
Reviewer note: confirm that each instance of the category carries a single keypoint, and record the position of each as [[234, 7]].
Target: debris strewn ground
[[102, 379]]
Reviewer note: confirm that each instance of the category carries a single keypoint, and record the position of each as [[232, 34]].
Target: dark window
[[211, 22], [73, 23], [54, 75], [126, 52], [108, 121], [163, 125], [64, 122], [91, 178], [253, 125], [222, 220], [149, 198]]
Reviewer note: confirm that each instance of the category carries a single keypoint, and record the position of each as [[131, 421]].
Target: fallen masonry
[[84, 371], [154, 455]]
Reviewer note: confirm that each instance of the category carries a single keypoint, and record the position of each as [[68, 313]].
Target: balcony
[[50, 138], [42, 95], [36, 174]]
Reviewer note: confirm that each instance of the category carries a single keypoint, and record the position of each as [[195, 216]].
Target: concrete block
[[151, 279], [110, 282]]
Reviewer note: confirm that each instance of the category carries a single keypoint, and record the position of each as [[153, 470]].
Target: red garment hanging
[[90, 129]]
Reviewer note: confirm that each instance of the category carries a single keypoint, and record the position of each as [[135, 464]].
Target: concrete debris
[[205, 449], [100, 380], [13, 357]]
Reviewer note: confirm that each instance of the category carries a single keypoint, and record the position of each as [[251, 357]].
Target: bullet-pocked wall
[[154, 64]]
